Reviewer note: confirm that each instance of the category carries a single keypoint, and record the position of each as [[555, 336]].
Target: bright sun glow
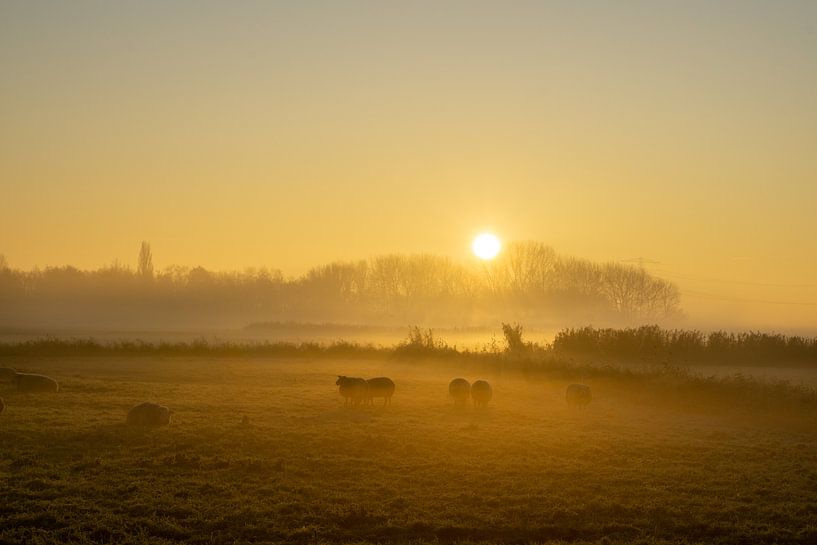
[[486, 246]]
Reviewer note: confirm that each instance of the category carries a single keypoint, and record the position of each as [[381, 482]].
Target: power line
[[641, 261], [737, 282], [704, 295]]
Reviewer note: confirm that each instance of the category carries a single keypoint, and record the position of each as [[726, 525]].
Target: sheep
[[353, 389], [379, 387], [27, 382], [481, 393], [578, 395], [7, 374], [149, 414], [460, 390]]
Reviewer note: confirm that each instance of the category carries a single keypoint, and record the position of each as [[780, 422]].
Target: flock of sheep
[[355, 391], [144, 414], [358, 390]]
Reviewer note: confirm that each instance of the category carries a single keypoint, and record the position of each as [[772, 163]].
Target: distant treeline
[[652, 344], [529, 281]]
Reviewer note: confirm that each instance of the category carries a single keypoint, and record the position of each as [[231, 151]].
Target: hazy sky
[[233, 134]]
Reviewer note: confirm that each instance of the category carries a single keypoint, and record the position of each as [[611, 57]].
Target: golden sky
[[291, 134]]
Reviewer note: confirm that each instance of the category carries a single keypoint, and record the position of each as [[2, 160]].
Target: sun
[[486, 246]]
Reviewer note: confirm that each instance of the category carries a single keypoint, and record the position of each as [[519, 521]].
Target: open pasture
[[301, 468]]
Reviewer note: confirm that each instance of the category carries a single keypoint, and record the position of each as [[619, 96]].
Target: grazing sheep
[[7, 374], [379, 387], [27, 382], [481, 393], [460, 390], [578, 395], [149, 414], [353, 389]]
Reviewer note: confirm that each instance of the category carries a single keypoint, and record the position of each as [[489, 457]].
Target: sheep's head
[[341, 380]]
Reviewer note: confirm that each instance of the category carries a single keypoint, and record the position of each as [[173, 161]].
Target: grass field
[[635, 466]]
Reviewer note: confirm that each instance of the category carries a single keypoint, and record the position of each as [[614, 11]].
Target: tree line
[[529, 282]]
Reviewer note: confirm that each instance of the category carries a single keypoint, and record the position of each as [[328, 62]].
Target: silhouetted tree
[[145, 263], [513, 339], [524, 268]]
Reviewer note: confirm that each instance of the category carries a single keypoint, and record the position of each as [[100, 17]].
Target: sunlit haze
[[408, 272], [678, 136]]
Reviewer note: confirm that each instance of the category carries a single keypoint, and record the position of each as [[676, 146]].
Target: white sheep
[[28, 382], [481, 393], [460, 390]]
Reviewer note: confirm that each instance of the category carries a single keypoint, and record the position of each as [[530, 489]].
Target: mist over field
[[408, 273], [529, 281], [189, 406]]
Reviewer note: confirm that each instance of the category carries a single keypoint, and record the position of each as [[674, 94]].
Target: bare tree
[[145, 263], [525, 269]]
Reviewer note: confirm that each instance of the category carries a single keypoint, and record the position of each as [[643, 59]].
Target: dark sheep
[[27, 382], [353, 389], [379, 387], [149, 414], [481, 393], [578, 395], [460, 390]]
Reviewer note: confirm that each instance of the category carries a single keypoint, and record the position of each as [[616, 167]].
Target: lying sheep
[[379, 387], [578, 395], [481, 393], [7, 374], [27, 382], [352, 389], [149, 414], [460, 390]]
